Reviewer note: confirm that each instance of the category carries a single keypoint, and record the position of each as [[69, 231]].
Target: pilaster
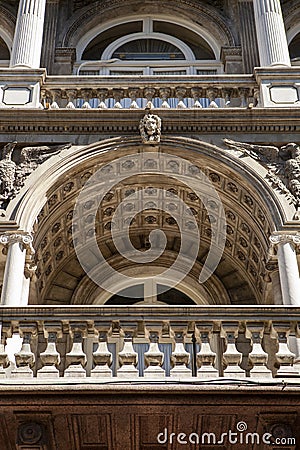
[[49, 38], [248, 35]]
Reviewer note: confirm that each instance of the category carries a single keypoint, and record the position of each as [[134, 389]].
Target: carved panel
[[92, 431], [146, 431]]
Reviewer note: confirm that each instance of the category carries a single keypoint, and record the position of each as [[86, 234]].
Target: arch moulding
[[86, 24]]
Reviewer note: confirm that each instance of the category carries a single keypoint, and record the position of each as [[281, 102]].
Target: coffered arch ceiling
[[250, 211]]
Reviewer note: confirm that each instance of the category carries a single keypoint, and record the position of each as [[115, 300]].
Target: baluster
[[50, 357], [206, 357], [295, 341], [25, 358], [284, 356], [180, 94], [149, 94], [258, 357], [102, 356], [244, 95], [128, 358], [86, 94], [133, 95], [102, 95], [196, 94], [71, 95], [154, 358], [56, 97], [232, 358], [118, 95], [227, 94], [212, 94], [76, 358], [4, 361], [45, 98], [180, 358], [256, 96], [164, 94]]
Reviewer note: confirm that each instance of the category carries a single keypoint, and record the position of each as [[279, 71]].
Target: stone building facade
[[149, 224]]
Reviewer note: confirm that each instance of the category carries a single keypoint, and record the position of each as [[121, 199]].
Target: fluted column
[[271, 36], [13, 280], [288, 267], [27, 45]]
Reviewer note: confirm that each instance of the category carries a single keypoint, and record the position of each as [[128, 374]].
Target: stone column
[[271, 36], [288, 267], [17, 244], [27, 45]]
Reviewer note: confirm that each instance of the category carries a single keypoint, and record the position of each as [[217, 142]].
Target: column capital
[[277, 239], [23, 237]]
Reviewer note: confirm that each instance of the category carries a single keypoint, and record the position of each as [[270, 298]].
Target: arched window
[[149, 47], [154, 294]]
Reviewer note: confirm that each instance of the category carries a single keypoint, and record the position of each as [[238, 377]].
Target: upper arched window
[[150, 47]]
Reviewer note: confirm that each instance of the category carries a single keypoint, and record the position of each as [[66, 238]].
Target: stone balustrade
[[205, 91], [150, 343]]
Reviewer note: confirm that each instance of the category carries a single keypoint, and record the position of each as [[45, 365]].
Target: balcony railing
[[145, 343], [212, 91]]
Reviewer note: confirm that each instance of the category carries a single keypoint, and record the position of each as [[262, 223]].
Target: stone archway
[[251, 218]]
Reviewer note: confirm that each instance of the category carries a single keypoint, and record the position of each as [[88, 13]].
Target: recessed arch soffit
[[249, 221], [7, 26], [207, 17], [291, 12]]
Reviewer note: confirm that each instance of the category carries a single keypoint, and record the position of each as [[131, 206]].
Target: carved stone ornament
[[285, 238], [10, 238], [150, 129], [13, 174], [283, 164], [30, 433]]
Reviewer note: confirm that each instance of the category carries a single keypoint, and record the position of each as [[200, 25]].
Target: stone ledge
[[126, 121]]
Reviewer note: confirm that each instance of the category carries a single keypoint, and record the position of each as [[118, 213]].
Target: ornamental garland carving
[[13, 175], [283, 164]]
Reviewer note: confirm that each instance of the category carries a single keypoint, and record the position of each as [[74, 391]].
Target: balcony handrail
[[152, 312], [150, 342], [124, 81]]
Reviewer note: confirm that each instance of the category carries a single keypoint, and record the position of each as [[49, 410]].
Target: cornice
[[116, 122]]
